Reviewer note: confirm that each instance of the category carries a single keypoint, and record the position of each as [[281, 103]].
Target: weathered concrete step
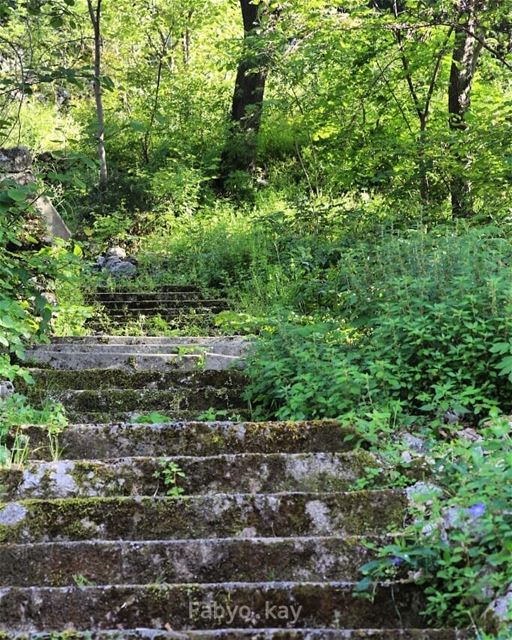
[[217, 516], [163, 310], [174, 399], [279, 604], [129, 361], [221, 347], [149, 340], [246, 473], [225, 560], [193, 438], [166, 288], [141, 304], [137, 296], [65, 379], [104, 417], [250, 634]]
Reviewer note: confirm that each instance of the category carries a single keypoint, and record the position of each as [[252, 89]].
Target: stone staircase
[[172, 303], [189, 529]]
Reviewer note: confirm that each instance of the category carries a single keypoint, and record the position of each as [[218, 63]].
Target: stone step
[[166, 288], [280, 604], [171, 311], [105, 417], [249, 634], [141, 304], [193, 438], [177, 561], [246, 473], [135, 296], [129, 361], [148, 340], [219, 516], [145, 400], [98, 379], [221, 347]]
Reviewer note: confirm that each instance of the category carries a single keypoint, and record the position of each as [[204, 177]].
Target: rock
[[15, 160], [111, 262], [6, 389], [123, 270], [497, 618], [414, 443], [116, 252], [16, 164], [470, 434], [451, 417]]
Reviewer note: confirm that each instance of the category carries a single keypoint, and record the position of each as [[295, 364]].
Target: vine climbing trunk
[[466, 52], [95, 16]]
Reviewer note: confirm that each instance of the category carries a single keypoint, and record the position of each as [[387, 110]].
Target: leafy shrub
[[459, 543], [434, 331], [15, 412]]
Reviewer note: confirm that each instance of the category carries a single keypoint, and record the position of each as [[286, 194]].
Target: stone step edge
[[309, 633], [152, 339], [176, 542], [217, 495], [348, 455]]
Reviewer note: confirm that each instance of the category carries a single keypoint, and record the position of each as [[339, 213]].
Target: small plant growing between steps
[[16, 413], [154, 417], [215, 415], [82, 581], [169, 474]]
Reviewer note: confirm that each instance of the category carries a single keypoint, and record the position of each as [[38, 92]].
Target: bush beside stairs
[[188, 528]]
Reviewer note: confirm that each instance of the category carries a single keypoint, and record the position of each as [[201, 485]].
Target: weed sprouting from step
[[216, 415], [154, 417], [170, 473], [16, 413]]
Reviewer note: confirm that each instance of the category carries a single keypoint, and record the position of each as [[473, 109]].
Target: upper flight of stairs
[[175, 304], [264, 543]]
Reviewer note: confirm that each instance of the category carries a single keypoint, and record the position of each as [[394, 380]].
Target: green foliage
[[170, 473], [459, 542], [432, 332], [16, 412], [154, 417]]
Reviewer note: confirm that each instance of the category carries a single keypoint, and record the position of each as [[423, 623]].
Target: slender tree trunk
[[247, 105], [95, 15], [466, 53]]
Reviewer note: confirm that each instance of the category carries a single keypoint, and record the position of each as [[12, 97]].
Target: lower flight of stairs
[[259, 536]]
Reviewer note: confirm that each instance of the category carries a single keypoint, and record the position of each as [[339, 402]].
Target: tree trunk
[[247, 105], [95, 15], [465, 57]]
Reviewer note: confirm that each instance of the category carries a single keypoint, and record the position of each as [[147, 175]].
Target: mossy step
[[97, 379], [219, 516], [135, 296], [129, 361], [222, 347], [128, 304], [166, 288], [194, 438], [250, 634], [142, 340], [145, 400], [162, 310], [190, 606], [246, 473], [104, 417], [225, 560]]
